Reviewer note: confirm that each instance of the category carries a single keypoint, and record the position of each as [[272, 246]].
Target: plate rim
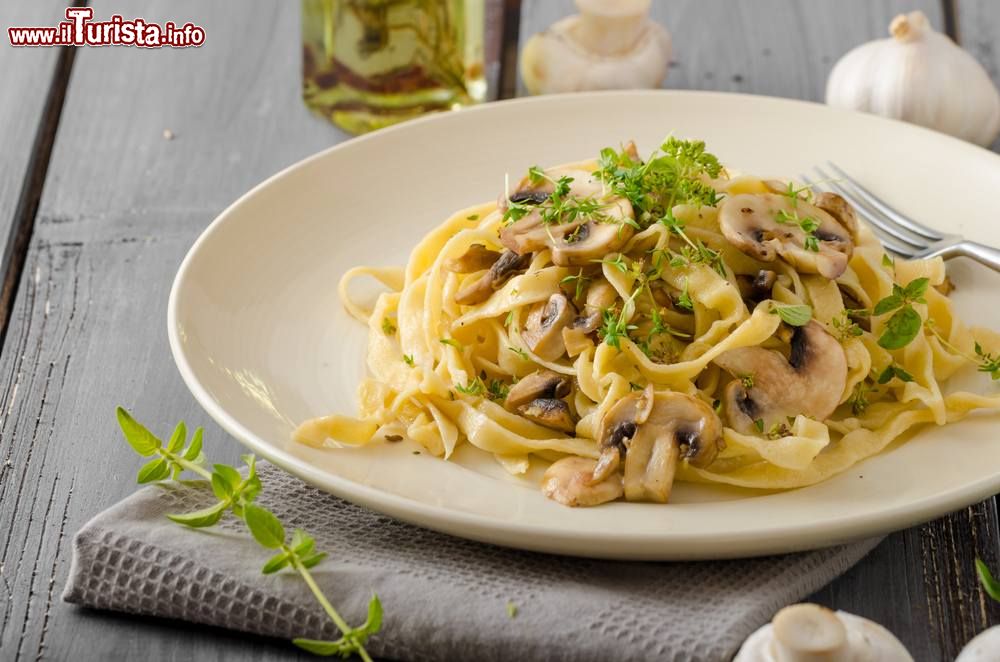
[[642, 546]]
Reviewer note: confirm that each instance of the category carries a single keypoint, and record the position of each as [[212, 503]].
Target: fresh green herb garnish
[[859, 398], [509, 318], [580, 282], [618, 262], [893, 370], [474, 388], [808, 225], [888, 262], [684, 300], [451, 342], [236, 495], [388, 328], [520, 352], [497, 390], [759, 424], [671, 178], [988, 363], [747, 381], [472, 217], [795, 194], [904, 325], [793, 315], [846, 327], [614, 327], [408, 359]]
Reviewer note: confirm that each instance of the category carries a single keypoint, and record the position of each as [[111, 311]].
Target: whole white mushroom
[[610, 44], [811, 633], [984, 647]]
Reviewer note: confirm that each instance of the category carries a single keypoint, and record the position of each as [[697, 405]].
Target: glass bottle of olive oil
[[370, 63]]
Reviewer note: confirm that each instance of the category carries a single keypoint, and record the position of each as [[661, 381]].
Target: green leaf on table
[[373, 623], [314, 560], [194, 450], [302, 543], [265, 527], [276, 563], [178, 438], [793, 315], [153, 471], [341, 647], [201, 518], [221, 485], [901, 329], [990, 585], [139, 438]]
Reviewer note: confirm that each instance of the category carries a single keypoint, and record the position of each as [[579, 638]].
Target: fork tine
[[873, 216], [886, 209], [891, 244]]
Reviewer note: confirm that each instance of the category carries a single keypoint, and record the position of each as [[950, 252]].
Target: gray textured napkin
[[444, 598]]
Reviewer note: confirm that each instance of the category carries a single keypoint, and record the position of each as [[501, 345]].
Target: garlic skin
[[921, 76], [983, 647], [811, 633], [610, 44]]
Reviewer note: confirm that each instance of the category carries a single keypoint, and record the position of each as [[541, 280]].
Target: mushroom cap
[[983, 647], [809, 382], [654, 431], [840, 209], [568, 481], [576, 242], [539, 384], [750, 222], [543, 329], [549, 412], [506, 265]]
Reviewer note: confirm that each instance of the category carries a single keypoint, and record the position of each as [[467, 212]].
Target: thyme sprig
[[904, 325], [807, 224], [236, 494]]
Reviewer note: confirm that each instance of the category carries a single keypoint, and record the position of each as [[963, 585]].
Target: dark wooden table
[[97, 208]]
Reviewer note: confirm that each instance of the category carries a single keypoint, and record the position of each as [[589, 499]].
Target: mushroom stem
[[610, 27], [809, 633]]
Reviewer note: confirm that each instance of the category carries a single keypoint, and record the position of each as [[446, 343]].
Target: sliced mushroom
[[539, 384], [551, 413], [809, 382], [568, 481], [750, 222], [483, 287], [758, 287], [543, 328], [577, 241], [600, 296], [840, 209], [476, 258], [655, 431]]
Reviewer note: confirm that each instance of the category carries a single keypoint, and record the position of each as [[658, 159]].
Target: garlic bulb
[[811, 633], [610, 44], [920, 76], [983, 647]]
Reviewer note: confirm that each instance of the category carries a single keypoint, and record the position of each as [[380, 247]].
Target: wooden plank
[[33, 80], [979, 33], [775, 47], [120, 208]]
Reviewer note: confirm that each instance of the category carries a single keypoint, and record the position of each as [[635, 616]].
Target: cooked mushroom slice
[[476, 258], [539, 384], [583, 236], [655, 431], [568, 481], [751, 223], [758, 287], [600, 296], [840, 209], [809, 382], [543, 328], [551, 413], [483, 287]]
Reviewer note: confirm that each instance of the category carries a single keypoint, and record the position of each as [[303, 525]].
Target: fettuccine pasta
[[638, 322]]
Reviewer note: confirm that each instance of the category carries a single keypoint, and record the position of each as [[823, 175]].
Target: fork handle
[[981, 253]]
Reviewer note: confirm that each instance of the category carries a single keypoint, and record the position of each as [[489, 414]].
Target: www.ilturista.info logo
[[79, 30]]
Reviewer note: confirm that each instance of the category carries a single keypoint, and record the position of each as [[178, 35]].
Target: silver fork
[[900, 234]]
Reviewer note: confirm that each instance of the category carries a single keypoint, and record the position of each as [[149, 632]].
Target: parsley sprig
[[905, 323], [236, 495], [669, 178]]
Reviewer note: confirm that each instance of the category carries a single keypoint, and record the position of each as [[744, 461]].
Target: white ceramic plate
[[261, 340]]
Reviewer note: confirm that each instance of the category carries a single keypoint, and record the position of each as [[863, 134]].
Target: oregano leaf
[[340, 647], [276, 563], [265, 527], [178, 438], [313, 560], [888, 304], [793, 315], [201, 518], [901, 329], [990, 585], [153, 471], [194, 450], [141, 440]]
